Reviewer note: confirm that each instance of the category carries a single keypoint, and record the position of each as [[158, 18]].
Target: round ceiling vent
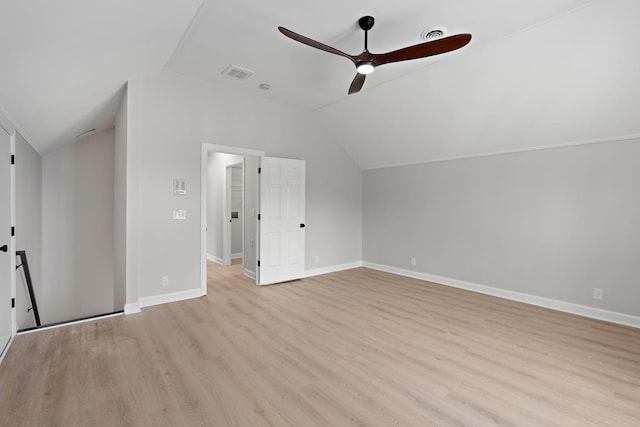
[[86, 134], [432, 34]]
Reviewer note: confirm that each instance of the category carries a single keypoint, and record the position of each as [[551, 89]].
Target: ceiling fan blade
[[313, 43], [423, 50], [357, 83]]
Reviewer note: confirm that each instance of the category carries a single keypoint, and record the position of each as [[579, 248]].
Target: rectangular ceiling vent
[[237, 72]]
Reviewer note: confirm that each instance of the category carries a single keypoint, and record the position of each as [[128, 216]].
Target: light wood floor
[[357, 348]]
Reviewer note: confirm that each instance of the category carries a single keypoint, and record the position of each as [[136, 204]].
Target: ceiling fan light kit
[[365, 67], [366, 61]]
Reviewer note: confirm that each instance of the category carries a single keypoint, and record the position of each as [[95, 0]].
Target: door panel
[[282, 209], [273, 206], [273, 246], [293, 241], [6, 264]]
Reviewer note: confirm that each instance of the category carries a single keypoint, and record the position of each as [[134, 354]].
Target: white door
[[6, 264], [281, 220]]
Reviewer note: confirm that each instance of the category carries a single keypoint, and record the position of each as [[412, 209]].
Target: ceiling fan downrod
[[366, 23], [366, 66]]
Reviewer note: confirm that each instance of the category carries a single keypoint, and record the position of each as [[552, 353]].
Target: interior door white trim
[[14, 318], [5, 124], [206, 149]]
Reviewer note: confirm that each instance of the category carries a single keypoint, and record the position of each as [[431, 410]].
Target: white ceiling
[[537, 73]]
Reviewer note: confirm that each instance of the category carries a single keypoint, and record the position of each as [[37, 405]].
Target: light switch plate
[[179, 187]]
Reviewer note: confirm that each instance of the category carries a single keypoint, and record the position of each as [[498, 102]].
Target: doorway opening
[[233, 215], [229, 208], [273, 206]]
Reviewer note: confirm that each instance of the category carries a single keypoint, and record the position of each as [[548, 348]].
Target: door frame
[[11, 130], [206, 149]]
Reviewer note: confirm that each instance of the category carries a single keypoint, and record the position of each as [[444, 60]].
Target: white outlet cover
[[597, 293], [179, 214]]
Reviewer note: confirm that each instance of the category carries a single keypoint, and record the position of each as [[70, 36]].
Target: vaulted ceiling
[[538, 73]]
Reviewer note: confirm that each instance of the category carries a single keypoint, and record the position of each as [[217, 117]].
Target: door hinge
[[258, 263], [259, 170], [13, 231], [13, 303], [13, 159], [259, 217]]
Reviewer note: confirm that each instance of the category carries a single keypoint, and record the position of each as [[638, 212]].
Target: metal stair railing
[[27, 275]]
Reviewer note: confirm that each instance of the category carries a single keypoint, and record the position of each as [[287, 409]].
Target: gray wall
[[78, 230], [552, 223], [169, 119], [28, 226]]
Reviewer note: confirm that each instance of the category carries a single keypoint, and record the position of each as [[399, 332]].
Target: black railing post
[[27, 275]]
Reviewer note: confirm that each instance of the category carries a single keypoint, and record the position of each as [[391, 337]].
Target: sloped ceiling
[[540, 73], [65, 62]]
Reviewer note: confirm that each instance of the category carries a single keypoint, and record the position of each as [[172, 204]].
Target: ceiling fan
[[367, 61]]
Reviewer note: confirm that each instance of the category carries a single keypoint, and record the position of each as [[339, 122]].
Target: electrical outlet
[[165, 281], [597, 293], [179, 214], [413, 261]]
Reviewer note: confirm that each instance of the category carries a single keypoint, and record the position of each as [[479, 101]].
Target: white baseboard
[[215, 259], [567, 307], [332, 269], [172, 297], [236, 256], [250, 274], [132, 308]]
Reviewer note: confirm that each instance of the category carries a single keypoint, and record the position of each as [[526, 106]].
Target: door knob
[[4, 248]]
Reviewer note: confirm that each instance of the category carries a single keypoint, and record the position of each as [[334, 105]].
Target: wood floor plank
[[355, 348]]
